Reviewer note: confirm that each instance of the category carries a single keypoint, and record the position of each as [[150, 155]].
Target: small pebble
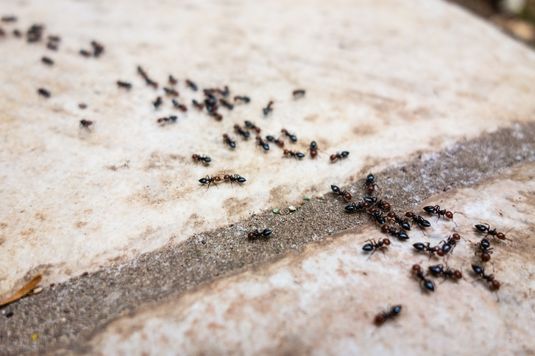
[[35, 337], [306, 197], [37, 290], [292, 208], [276, 211]]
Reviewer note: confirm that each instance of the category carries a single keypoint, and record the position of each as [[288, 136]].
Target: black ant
[[158, 102], [211, 104], [376, 245], [43, 92], [437, 211], [275, 140], [446, 273], [313, 149], [170, 91], [98, 48], [86, 124], [355, 207], [426, 247], [47, 61], [418, 220], [198, 106], [9, 18], [234, 178], [125, 85], [493, 284], [226, 104], [343, 193], [399, 234], [339, 156], [382, 317], [292, 137], [484, 250], [377, 216], [191, 85], [262, 143], [210, 180], [294, 154], [242, 99], [268, 109], [449, 244], [425, 283], [485, 228], [146, 77], [228, 141], [172, 80], [167, 120], [298, 93], [201, 158], [243, 133], [257, 234], [404, 223], [251, 126], [179, 106], [370, 183]]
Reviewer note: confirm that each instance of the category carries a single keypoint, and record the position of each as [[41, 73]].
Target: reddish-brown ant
[[43, 92], [493, 284], [292, 137], [338, 156], [425, 284], [240, 131], [298, 93], [384, 205], [191, 85], [484, 250], [446, 273], [390, 314], [435, 210], [124, 85], [275, 140], [376, 245], [260, 142], [205, 160], [86, 124], [418, 220], [242, 99], [251, 126], [167, 120], [399, 234], [257, 234], [313, 149], [294, 154], [179, 106], [268, 109], [404, 223], [343, 193], [485, 228], [210, 180], [229, 142]]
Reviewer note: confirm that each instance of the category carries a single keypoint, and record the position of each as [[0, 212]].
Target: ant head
[[370, 179]]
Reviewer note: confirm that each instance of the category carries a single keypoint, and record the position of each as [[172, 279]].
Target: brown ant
[[43, 92], [47, 61], [484, 250], [198, 106], [382, 317], [125, 85], [172, 80], [268, 109], [251, 126], [384, 205], [425, 284], [170, 91], [292, 137], [485, 228], [86, 124], [217, 116], [242, 99], [338, 156], [260, 142], [243, 133], [343, 193], [229, 142], [205, 160], [167, 120], [179, 106], [446, 273], [298, 93], [313, 149], [294, 154], [435, 210], [376, 245], [418, 220], [275, 140], [157, 102], [493, 284], [226, 104], [191, 85], [404, 223], [257, 234], [399, 234]]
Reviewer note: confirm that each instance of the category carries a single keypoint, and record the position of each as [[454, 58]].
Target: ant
[[172, 80], [355, 207], [170, 91], [146, 77], [47, 61], [9, 18], [387, 315], [446, 273], [418, 220], [257, 234], [262, 143], [493, 284], [84, 53], [201, 158], [492, 232], [125, 85], [226, 104], [251, 126], [377, 216], [426, 247], [436, 210], [86, 124], [298, 93], [339, 156], [158, 102], [229, 142], [179, 106], [449, 244], [191, 85], [484, 250], [291, 136], [198, 106], [98, 48], [425, 283], [313, 149], [234, 178], [217, 116], [211, 103], [243, 133], [376, 245], [210, 180], [167, 120], [276, 141], [343, 193], [43, 92], [404, 223], [399, 234], [242, 99], [294, 154], [268, 109], [384, 205], [370, 183]]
